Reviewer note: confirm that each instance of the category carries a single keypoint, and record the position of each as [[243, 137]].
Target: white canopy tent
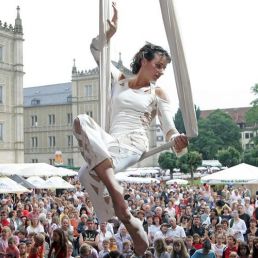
[[57, 182], [239, 174], [126, 177], [8, 185], [178, 181], [34, 169], [38, 182]]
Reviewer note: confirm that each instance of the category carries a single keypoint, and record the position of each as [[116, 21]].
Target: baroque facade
[[11, 92]]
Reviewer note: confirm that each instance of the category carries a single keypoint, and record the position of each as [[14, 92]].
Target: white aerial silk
[[183, 85], [104, 66], [179, 64]]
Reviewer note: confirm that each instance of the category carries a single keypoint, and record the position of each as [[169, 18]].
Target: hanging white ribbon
[[180, 68], [104, 65]]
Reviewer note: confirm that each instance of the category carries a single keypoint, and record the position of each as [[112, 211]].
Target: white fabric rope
[[104, 65], [180, 68]]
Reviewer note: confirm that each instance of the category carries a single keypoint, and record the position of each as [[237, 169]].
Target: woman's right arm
[[95, 44]]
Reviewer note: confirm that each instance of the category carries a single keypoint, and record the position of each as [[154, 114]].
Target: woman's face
[[56, 237], [177, 247], [155, 68]]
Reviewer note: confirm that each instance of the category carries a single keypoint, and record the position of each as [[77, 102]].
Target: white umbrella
[[7, 185], [239, 174], [66, 172], [38, 169], [178, 181], [38, 182], [57, 182], [9, 169]]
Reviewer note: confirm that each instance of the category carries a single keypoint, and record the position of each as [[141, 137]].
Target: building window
[[1, 131], [70, 162], [35, 102], [251, 135], [1, 54], [34, 161], [51, 119], [51, 141], [247, 136], [34, 142], [34, 120], [51, 161], [88, 91], [70, 140], [1, 94], [89, 113], [69, 118]]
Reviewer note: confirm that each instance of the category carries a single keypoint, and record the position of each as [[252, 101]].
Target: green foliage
[[229, 157], [189, 162], [167, 160], [178, 120], [251, 115], [216, 132], [251, 156]]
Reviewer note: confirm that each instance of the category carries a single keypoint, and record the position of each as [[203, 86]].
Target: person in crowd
[[231, 246], [205, 252], [12, 249], [90, 236], [196, 227], [67, 228], [58, 247], [189, 245], [252, 230], [160, 248], [154, 228], [105, 248], [163, 233], [37, 249], [121, 236], [70, 250], [237, 226], [219, 246], [5, 234], [103, 234], [87, 251], [179, 249], [197, 241], [113, 244], [22, 250], [243, 250], [127, 249], [175, 231], [35, 225], [225, 213]]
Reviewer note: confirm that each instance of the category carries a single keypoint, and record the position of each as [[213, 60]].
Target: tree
[[229, 157], [167, 160], [189, 162], [216, 132], [251, 156], [178, 120]]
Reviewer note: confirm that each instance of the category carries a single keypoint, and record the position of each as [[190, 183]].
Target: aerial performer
[[134, 103]]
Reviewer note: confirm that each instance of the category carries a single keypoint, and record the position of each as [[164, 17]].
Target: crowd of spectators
[[180, 221]]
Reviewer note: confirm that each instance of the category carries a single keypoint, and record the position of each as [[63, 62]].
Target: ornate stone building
[[11, 92]]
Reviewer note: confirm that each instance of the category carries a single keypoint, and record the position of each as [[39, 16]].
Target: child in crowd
[[22, 250], [113, 244], [127, 249], [105, 248], [37, 248], [87, 251], [197, 241], [69, 250], [12, 249]]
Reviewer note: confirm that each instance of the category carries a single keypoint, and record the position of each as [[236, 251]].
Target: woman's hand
[[113, 23], [180, 142]]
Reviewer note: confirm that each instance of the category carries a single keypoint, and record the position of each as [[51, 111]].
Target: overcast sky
[[220, 41]]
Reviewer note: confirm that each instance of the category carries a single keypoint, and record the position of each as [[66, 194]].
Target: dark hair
[[243, 245], [148, 52], [61, 246]]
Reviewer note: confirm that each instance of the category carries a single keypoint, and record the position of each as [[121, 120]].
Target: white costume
[[131, 113]]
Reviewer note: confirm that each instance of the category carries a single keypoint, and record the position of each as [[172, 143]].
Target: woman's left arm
[[165, 115]]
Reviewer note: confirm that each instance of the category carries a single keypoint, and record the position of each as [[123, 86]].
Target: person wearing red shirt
[[231, 247]]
